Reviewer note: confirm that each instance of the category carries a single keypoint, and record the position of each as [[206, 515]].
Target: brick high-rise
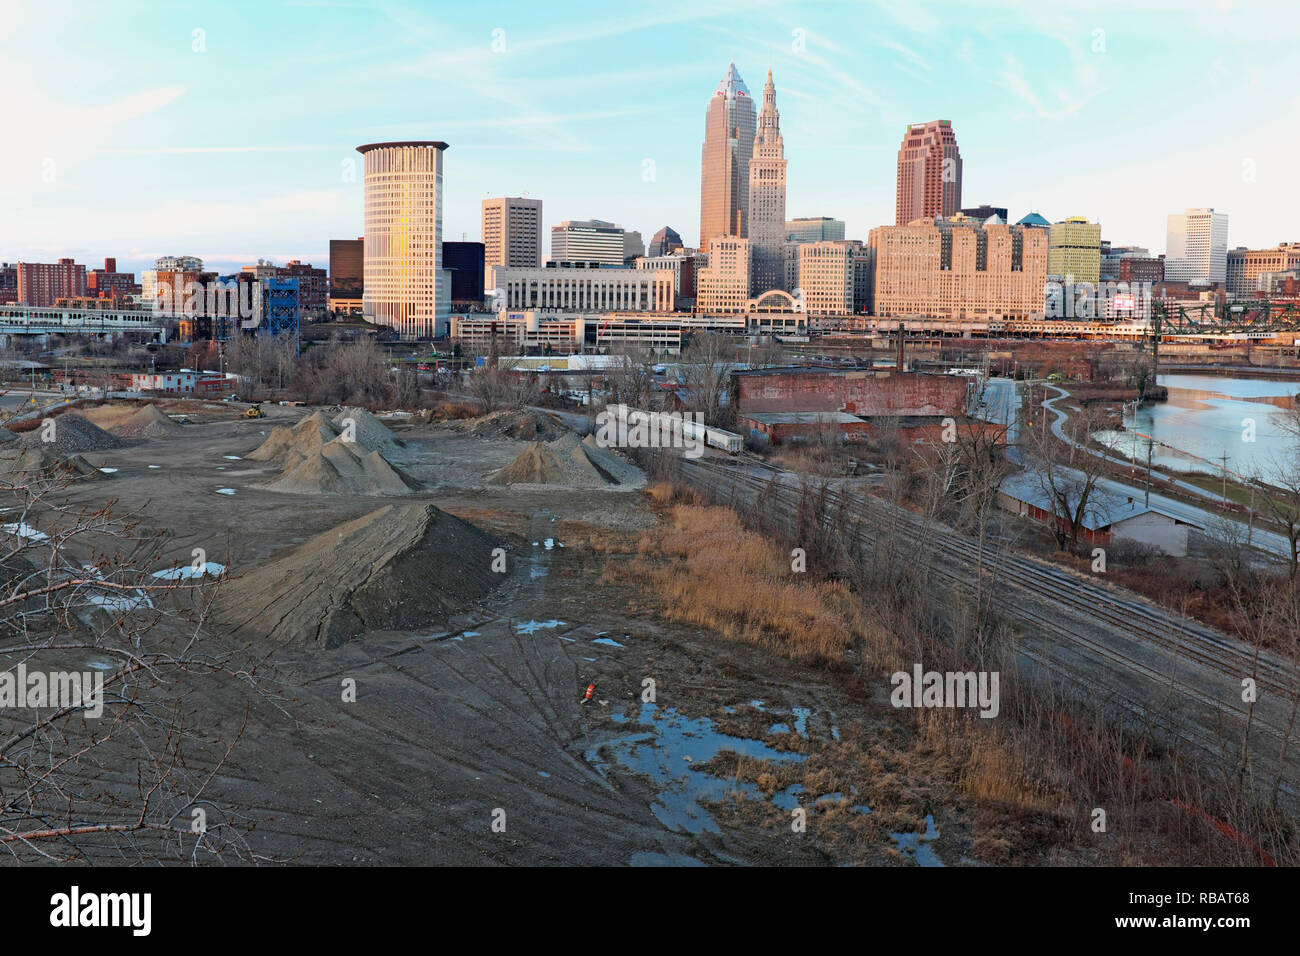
[[724, 160], [929, 173], [41, 283]]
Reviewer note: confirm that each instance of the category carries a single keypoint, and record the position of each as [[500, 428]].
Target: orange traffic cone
[[590, 690]]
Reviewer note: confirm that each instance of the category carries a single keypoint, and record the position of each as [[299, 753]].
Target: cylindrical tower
[[405, 288]]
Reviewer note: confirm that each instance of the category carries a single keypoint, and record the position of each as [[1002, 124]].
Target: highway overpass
[[34, 320]]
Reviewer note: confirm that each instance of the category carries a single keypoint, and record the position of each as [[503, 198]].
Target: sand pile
[[567, 461], [110, 415], [516, 423], [318, 459], [147, 422], [399, 568], [72, 434]]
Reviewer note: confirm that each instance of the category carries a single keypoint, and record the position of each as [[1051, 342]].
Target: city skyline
[[201, 143]]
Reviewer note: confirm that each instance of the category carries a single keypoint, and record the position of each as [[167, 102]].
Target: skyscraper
[[587, 240], [929, 172], [767, 198], [724, 160], [1074, 250], [1196, 247], [405, 286], [512, 233]]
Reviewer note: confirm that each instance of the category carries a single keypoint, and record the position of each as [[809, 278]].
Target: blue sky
[[134, 135]]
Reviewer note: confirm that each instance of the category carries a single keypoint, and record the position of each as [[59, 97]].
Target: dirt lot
[[482, 721]]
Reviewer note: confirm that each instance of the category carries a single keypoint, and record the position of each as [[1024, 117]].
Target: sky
[[229, 130]]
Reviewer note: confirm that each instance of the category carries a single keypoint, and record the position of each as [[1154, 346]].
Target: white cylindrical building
[[405, 287]]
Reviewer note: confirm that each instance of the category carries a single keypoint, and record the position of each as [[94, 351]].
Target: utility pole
[[1147, 500], [1223, 505]]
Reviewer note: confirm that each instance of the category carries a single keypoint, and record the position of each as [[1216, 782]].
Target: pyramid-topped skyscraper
[[724, 162]]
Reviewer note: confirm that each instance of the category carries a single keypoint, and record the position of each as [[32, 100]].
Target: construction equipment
[[254, 411]]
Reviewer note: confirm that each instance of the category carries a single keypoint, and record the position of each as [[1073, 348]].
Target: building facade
[[108, 283], [665, 242], [729, 126], [929, 172], [347, 268], [588, 240], [41, 283], [826, 277], [512, 232], [959, 269], [767, 198], [1196, 247], [584, 289], [465, 262], [1074, 249], [723, 285], [406, 288], [1246, 266], [814, 229]]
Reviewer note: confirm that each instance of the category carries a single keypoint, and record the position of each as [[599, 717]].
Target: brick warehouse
[[862, 392]]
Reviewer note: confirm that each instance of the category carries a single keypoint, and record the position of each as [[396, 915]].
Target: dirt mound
[[20, 464], [399, 568], [147, 422], [311, 434], [110, 415], [71, 434], [567, 461], [516, 423]]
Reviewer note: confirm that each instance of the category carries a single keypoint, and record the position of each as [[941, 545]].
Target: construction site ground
[[482, 722]]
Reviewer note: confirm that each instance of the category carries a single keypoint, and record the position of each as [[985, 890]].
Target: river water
[[1207, 417]]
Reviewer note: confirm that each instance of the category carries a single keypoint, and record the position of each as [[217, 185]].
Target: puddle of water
[[543, 773], [100, 665], [470, 634], [109, 471], [788, 798], [155, 466], [232, 458], [758, 706], [117, 602], [779, 729], [225, 491], [190, 571], [801, 715], [917, 845], [608, 642], [668, 752], [23, 530], [532, 627]]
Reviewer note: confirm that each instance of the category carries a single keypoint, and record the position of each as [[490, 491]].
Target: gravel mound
[[72, 434], [514, 423], [369, 431], [401, 567], [20, 464]]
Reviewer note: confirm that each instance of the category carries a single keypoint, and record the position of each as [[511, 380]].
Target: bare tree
[[706, 367], [1068, 474], [98, 758]]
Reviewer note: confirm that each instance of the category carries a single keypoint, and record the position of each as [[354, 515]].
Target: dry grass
[[708, 570]]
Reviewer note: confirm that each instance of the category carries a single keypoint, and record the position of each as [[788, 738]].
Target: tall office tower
[[814, 229], [587, 240], [633, 246], [406, 288], [767, 198], [664, 242], [512, 233], [826, 275], [1196, 247], [347, 269], [724, 160], [1074, 250], [464, 260], [929, 172]]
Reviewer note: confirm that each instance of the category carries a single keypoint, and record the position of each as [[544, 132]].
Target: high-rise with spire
[[767, 198], [724, 162]]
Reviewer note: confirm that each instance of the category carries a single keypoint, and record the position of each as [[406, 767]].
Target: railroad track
[[1085, 605]]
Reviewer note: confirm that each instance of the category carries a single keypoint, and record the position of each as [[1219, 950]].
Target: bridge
[[36, 320]]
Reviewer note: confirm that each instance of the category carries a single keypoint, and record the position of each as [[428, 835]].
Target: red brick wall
[[859, 393]]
